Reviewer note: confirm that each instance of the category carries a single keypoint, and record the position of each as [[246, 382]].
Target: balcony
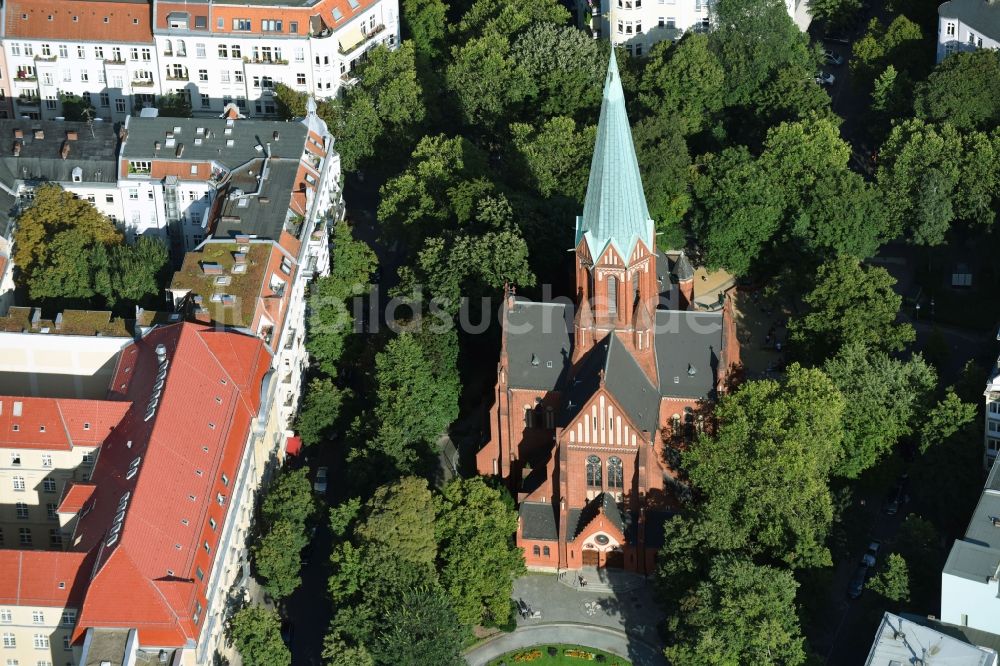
[[23, 76], [264, 61], [114, 61], [28, 101], [39, 58], [365, 37], [178, 77], [142, 83]]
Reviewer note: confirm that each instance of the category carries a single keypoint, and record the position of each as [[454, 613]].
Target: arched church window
[[535, 550], [528, 414], [550, 418], [615, 477], [635, 289], [546, 551], [613, 295], [594, 471]]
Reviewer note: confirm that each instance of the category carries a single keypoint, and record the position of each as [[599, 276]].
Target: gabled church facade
[[591, 397]]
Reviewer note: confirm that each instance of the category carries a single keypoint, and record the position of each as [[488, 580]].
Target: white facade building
[[970, 596], [967, 25], [636, 25], [991, 427]]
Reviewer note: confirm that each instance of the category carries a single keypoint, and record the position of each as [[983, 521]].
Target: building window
[[224, 76], [68, 618], [49, 485], [238, 76], [108, 198], [546, 552], [63, 51], [300, 79], [81, 52], [50, 511], [536, 551], [206, 102], [612, 295], [242, 25], [41, 642], [223, 51], [529, 417], [55, 538], [616, 479], [105, 99], [237, 53], [22, 510], [6, 615], [46, 50], [24, 536], [203, 75], [199, 51], [38, 617], [19, 483], [15, 459], [270, 25], [46, 460], [9, 641], [593, 471]]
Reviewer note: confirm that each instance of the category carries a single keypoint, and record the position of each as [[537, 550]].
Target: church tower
[[615, 244]]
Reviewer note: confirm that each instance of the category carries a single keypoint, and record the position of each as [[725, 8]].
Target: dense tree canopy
[[963, 90], [256, 632], [849, 303]]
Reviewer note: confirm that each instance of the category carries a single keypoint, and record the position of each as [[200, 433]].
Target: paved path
[[601, 638]]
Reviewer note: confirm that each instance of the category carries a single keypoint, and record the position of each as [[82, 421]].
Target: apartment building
[[98, 50], [122, 55], [967, 25], [636, 25], [970, 596], [178, 176], [991, 426], [82, 158], [40, 597], [915, 640]]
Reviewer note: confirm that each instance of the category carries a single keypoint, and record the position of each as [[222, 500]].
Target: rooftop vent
[[242, 239], [180, 150], [264, 200], [161, 352], [692, 371], [275, 135], [39, 134], [64, 151], [19, 134], [72, 135], [240, 257], [17, 148], [534, 360], [156, 147]]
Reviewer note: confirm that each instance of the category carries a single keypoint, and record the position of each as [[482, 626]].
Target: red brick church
[[589, 397]]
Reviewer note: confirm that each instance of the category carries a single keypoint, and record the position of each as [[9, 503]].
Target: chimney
[[18, 133], [17, 148], [39, 134], [156, 147], [72, 135], [268, 148], [275, 135], [64, 153]]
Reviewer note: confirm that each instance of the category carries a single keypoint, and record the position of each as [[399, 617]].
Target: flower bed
[[530, 655], [580, 654]]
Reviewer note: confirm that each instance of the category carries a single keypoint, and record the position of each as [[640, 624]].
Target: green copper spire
[[615, 209]]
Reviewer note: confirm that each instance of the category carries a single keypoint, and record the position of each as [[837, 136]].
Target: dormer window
[[77, 175]]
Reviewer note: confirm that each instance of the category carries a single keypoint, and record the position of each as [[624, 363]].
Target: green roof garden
[[227, 280]]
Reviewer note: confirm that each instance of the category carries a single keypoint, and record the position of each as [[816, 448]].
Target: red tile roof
[[114, 22], [43, 578], [77, 495], [198, 432], [57, 423]]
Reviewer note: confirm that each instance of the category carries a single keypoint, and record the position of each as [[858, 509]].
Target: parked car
[[894, 500], [831, 58], [858, 580], [871, 555], [319, 485], [837, 38], [825, 78]]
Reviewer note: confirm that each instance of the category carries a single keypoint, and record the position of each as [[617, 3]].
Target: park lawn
[[561, 658]]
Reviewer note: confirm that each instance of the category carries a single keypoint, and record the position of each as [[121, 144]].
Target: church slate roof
[[539, 344], [538, 521], [682, 268], [614, 210], [688, 346]]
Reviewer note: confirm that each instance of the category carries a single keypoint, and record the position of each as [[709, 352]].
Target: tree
[[256, 632], [505, 18], [919, 544], [487, 80], [664, 163], [738, 209], [290, 102], [174, 105], [900, 45], [836, 13], [53, 211], [136, 270], [420, 628], [945, 419], [887, 398], [963, 90], [426, 21], [764, 473], [684, 81], [850, 303], [277, 558], [289, 498], [893, 579], [754, 41], [566, 65], [400, 517], [320, 410], [556, 156], [743, 614], [477, 557], [76, 108], [352, 263]]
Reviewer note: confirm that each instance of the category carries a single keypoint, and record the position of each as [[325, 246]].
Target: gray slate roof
[[977, 556], [578, 519], [682, 268], [539, 344], [538, 521], [263, 215], [95, 152], [247, 136], [688, 347], [979, 14]]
